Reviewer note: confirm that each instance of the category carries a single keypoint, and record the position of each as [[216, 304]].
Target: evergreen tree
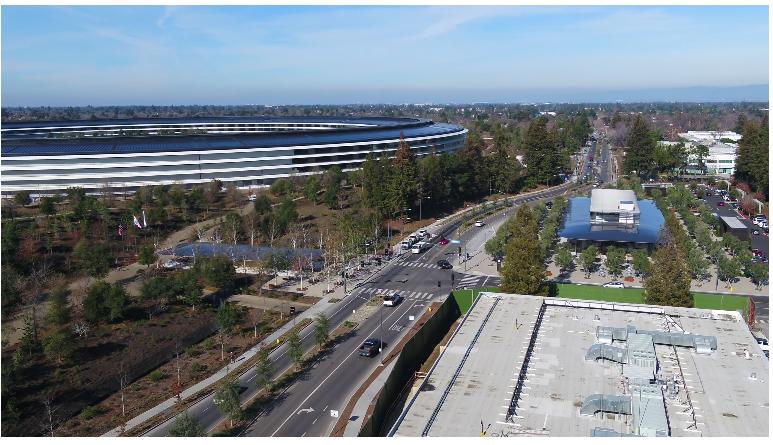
[[639, 154], [264, 369], [59, 306], [540, 153], [58, 345], [669, 280], [147, 255], [321, 330], [523, 270], [641, 262]]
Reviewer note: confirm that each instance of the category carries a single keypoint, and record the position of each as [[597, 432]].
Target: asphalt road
[[758, 241], [303, 409], [605, 163]]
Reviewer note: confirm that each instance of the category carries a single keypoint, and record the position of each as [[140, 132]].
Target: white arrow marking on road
[[306, 410]]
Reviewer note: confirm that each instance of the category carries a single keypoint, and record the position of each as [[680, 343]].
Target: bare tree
[[48, 404], [251, 226], [123, 380]]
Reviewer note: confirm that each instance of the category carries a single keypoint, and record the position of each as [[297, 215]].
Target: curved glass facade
[[49, 163]]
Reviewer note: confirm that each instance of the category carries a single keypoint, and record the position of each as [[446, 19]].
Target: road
[[758, 241], [303, 409], [605, 164]]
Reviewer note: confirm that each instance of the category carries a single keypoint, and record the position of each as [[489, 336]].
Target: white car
[[615, 285], [479, 224], [253, 198], [392, 300], [423, 233]]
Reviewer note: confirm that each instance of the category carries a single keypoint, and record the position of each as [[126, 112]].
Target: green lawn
[[628, 295], [464, 297]]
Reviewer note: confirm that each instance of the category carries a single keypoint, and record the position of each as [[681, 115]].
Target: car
[[253, 198], [756, 232], [370, 347], [444, 264], [549, 205], [423, 233], [708, 193], [392, 300], [479, 224], [721, 204], [764, 225], [756, 252], [614, 285], [734, 205], [763, 342], [443, 241], [405, 245]]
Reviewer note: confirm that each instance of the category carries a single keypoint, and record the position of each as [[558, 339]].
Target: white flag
[[144, 220], [137, 223]]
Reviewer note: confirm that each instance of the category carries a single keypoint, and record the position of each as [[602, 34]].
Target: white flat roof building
[[520, 365], [614, 206], [702, 137]]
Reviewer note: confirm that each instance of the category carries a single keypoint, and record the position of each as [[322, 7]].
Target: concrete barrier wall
[[413, 355]]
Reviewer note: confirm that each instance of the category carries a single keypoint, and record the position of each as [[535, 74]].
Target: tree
[[228, 316], [47, 205], [29, 342], [147, 255], [564, 258], [311, 189], [22, 198], [104, 302], [669, 281], [94, 259], [321, 330], [186, 426], [588, 259], [753, 153], [641, 146], [614, 261], [227, 400], [264, 369], [333, 179], [728, 269], [59, 306], [697, 264], [523, 270], [540, 153], [232, 227], [218, 272], [758, 273], [262, 205], [295, 348], [58, 345], [641, 262], [188, 288]]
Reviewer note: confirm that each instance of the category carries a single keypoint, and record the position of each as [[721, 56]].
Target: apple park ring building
[[47, 157]]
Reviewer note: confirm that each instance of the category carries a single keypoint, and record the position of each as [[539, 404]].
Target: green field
[[629, 295]]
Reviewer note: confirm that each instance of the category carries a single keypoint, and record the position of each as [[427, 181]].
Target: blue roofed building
[[612, 217]]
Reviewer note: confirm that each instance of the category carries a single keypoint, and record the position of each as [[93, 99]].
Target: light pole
[[381, 340]]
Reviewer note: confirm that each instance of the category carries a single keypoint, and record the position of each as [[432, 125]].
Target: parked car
[[756, 232], [614, 285], [443, 241], [479, 224], [444, 264], [763, 342], [708, 193], [549, 205], [253, 198], [392, 300], [370, 348]]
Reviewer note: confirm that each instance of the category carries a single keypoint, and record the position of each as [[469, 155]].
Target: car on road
[[370, 347], [444, 264], [479, 223], [614, 285], [423, 233], [405, 245], [443, 241], [756, 232], [756, 252], [708, 193], [720, 204], [763, 342], [392, 300]]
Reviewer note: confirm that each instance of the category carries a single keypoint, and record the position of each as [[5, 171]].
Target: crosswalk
[[473, 281], [406, 263], [408, 295]]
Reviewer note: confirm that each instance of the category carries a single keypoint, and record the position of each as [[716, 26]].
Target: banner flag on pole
[[120, 229], [144, 220], [137, 222]]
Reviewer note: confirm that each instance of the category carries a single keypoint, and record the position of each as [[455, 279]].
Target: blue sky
[[66, 55]]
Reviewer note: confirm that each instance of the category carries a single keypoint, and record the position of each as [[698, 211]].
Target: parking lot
[[758, 241]]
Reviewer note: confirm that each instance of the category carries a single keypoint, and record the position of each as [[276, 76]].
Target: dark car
[[549, 205], [444, 264], [370, 347], [721, 204]]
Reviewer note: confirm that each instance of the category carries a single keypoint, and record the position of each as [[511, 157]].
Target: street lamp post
[[381, 340]]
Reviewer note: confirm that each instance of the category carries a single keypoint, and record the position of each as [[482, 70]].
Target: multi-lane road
[[303, 409]]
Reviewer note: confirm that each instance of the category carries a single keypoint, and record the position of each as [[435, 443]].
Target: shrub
[[197, 368], [192, 351], [156, 375], [89, 412], [209, 343]]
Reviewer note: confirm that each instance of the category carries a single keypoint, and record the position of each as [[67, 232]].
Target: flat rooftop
[[536, 347], [611, 200]]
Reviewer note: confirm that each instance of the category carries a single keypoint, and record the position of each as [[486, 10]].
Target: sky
[[111, 55]]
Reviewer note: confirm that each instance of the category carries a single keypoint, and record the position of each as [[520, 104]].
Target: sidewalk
[[361, 407]]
